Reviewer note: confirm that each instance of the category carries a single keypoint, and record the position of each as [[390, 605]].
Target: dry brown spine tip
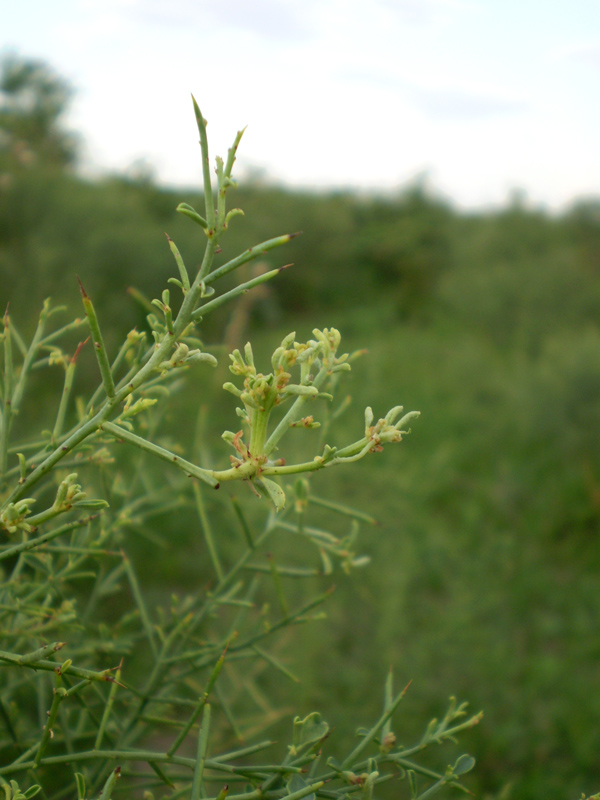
[[78, 350], [81, 289]]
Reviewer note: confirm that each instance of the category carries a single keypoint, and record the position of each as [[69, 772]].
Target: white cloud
[[272, 20], [584, 52], [335, 92], [441, 99], [427, 11], [456, 103]]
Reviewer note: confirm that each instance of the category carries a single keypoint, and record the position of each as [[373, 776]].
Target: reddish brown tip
[[79, 347], [81, 289]]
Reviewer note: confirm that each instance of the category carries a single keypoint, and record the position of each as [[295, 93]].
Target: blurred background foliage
[[484, 574]]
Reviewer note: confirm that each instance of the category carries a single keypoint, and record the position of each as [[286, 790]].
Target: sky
[[476, 97]]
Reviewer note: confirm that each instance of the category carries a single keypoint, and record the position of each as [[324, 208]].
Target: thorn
[[224, 653], [285, 267], [81, 289], [293, 235], [78, 350]]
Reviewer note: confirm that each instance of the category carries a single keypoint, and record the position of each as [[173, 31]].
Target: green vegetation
[[483, 575], [147, 680]]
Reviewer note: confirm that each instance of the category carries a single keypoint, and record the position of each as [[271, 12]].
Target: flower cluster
[[316, 360]]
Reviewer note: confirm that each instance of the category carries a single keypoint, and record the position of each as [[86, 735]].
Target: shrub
[[109, 686]]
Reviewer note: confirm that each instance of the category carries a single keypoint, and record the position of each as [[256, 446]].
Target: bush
[[111, 687]]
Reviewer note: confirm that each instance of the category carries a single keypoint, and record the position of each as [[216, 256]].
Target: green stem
[[190, 469], [185, 315], [99, 346], [368, 738], [287, 572], [155, 676], [258, 430], [42, 652], [59, 694], [353, 452], [139, 600], [243, 523], [212, 305], [249, 255], [201, 755], [64, 400], [71, 326], [107, 711], [207, 531], [161, 758], [221, 192], [285, 609], [208, 195], [293, 413], [231, 153], [7, 414], [342, 509], [50, 666], [292, 469], [283, 623], [276, 664], [29, 358], [125, 347], [31, 544], [243, 751], [157, 355]]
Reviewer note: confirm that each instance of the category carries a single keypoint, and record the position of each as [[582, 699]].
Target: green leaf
[[275, 492], [464, 764], [301, 391], [296, 783], [96, 504], [108, 787], [412, 782], [308, 730], [80, 781], [190, 212]]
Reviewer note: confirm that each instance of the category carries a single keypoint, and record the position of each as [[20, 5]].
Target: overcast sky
[[482, 96]]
